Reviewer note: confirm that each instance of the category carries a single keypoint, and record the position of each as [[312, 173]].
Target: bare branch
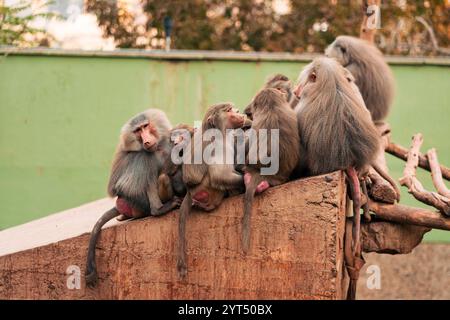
[[367, 32], [414, 186], [436, 174], [410, 215], [401, 153]]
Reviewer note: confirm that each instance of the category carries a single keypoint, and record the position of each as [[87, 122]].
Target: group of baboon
[[326, 122]]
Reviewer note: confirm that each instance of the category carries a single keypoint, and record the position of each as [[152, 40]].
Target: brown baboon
[[336, 129], [170, 181], [372, 74], [138, 161], [207, 184], [270, 111], [281, 82]]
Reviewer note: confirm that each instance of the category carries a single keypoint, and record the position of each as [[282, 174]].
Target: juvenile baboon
[[170, 181], [270, 111], [138, 161], [372, 74], [207, 184], [281, 82]]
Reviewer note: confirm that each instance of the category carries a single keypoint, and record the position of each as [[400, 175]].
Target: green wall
[[60, 118]]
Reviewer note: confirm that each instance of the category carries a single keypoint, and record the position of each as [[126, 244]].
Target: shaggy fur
[[372, 75]]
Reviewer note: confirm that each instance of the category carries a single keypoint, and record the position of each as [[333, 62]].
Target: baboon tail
[[91, 267], [248, 204], [184, 213]]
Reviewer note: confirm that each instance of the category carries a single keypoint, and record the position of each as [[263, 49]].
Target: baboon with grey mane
[[337, 134], [140, 156], [372, 74], [336, 129]]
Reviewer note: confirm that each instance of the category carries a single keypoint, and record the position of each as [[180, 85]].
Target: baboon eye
[[312, 77], [343, 50]]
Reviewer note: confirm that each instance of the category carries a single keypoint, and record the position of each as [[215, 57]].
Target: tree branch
[[401, 153], [414, 186], [409, 215], [436, 174], [366, 32]]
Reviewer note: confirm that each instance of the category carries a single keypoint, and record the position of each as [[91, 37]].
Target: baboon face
[[147, 135], [267, 99], [140, 134], [224, 116], [181, 133], [306, 79], [144, 131], [339, 50], [322, 75]]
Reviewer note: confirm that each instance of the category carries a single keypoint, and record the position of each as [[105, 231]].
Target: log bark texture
[[391, 237], [296, 253]]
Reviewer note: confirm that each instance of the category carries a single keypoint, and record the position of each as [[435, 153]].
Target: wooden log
[[390, 237], [402, 153], [296, 251], [410, 215]]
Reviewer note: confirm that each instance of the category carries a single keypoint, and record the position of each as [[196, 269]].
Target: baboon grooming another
[[138, 161], [270, 111], [281, 82], [207, 184], [372, 74]]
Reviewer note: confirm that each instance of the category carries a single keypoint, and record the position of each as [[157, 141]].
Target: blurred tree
[[16, 25], [407, 27]]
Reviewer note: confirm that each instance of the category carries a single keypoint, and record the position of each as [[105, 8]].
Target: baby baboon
[[170, 181], [207, 184], [140, 155], [372, 74], [270, 111]]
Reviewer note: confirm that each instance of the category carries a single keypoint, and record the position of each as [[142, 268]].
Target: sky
[[80, 30], [77, 30]]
